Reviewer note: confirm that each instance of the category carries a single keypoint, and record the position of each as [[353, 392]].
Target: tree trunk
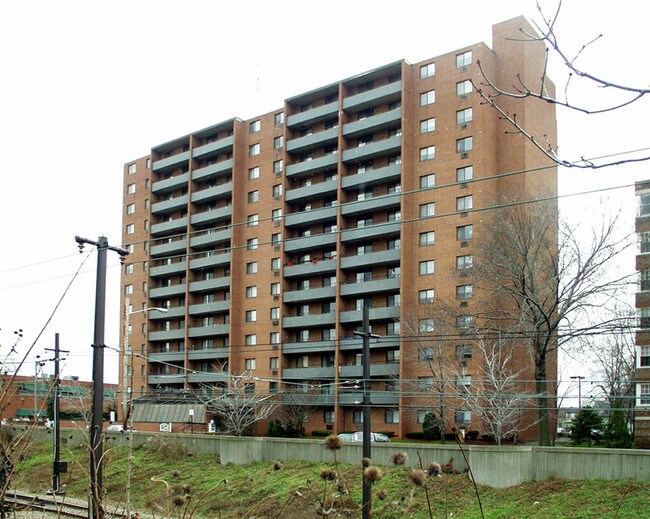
[[541, 388]]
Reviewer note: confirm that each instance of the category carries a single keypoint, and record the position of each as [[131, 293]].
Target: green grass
[[296, 488]]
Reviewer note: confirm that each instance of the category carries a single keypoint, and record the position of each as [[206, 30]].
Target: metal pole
[[57, 425], [366, 409], [36, 363]]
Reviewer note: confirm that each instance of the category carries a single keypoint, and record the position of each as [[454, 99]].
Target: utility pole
[[580, 378], [96, 429], [57, 466]]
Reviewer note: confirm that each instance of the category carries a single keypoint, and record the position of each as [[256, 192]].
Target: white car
[[358, 437], [117, 428]]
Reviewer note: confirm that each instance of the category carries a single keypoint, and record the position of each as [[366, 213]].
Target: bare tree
[[238, 406], [495, 393], [547, 285], [297, 406], [542, 90]]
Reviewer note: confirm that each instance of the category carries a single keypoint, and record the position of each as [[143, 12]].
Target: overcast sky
[[87, 86]]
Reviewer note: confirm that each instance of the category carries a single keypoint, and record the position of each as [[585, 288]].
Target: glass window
[[463, 87], [251, 292], [427, 98], [254, 150], [427, 267], [464, 59], [279, 119], [275, 313], [278, 166], [251, 268], [249, 364], [464, 145], [250, 340], [130, 228], [393, 328], [465, 174], [426, 296], [357, 416], [275, 263], [427, 181], [328, 417], [254, 173], [428, 125], [391, 416], [464, 322], [463, 382], [278, 142], [427, 210], [463, 351], [464, 262], [427, 70], [255, 126], [425, 354], [275, 289], [425, 325], [428, 153], [130, 189], [274, 362], [253, 196], [252, 219], [464, 203], [130, 209], [427, 238], [277, 191], [276, 215], [464, 232], [644, 394], [251, 316], [252, 243], [132, 168], [463, 417], [464, 116], [464, 292]]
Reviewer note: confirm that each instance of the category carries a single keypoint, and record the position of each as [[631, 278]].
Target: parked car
[[358, 437], [118, 428]]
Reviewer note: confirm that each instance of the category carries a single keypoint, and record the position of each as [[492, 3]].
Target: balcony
[[178, 225], [165, 292], [307, 373], [383, 342], [168, 270], [169, 162], [170, 205], [209, 331], [387, 313], [307, 399], [308, 347], [176, 312], [371, 205], [211, 239], [376, 370], [390, 93], [210, 285], [213, 170], [319, 241], [311, 268], [214, 260], [215, 307], [169, 248], [307, 321], [371, 232], [170, 184], [165, 379], [376, 123], [167, 356], [314, 115], [217, 376], [315, 140], [167, 335], [223, 214], [314, 191], [208, 354], [374, 259], [313, 166], [392, 173], [313, 216], [312, 294], [213, 148], [371, 287], [376, 397], [212, 193], [373, 150]]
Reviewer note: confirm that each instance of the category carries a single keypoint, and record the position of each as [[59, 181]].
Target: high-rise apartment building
[[265, 238], [642, 374]]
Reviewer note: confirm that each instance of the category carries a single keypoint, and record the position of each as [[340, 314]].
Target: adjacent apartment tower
[[264, 239]]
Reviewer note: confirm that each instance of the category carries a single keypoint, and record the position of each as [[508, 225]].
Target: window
[[274, 313], [464, 116], [130, 209], [394, 216], [463, 87], [357, 416], [329, 281], [328, 334], [360, 304], [276, 238], [644, 394], [274, 338], [278, 142], [274, 362], [130, 248], [644, 275], [644, 317], [275, 263], [464, 232], [132, 168], [427, 210], [394, 188], [251, 292], [391, 416], [464, 262], [275, 289], [249, 364], [130, 228], [250, 340], [254, 150], [276, 215], [464, 59], [251, 268], [425, 296], [394, 244], [255, 126], [464, 292], [427, 267], [427, 98], [427, 238], [393, 328], [364, 222], [425, 325], [254, 173], [464, 322], [278, 166], [251, 316], [364, 166], [464, 351], [277, 191], [465, 174], [362, 277], [463, 417], [302, 361], [252, 243], [464, 145], [303, 284], [393, 272], [427, 70], [328, 416], [428, 125], [329, 229], [128, 269], [279, 119], [425, 354], [427, 181], [425, 383], [644, 356], [253, 196], [393, 300], [428, 153], [302, 310], [464, 203], [422, 413], [130, 189], [253, 220], [463, 383], [128, 290]]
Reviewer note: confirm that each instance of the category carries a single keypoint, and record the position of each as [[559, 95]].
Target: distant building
[[264, 239]]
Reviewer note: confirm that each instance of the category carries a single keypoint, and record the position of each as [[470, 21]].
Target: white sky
[[88, 86]]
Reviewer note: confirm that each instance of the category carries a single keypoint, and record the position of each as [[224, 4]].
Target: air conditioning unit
[[274, 372], [463, 214], [463, 303], [464, 244], [276, 298], [276, 273], [464, 126], [463, 274], [276, 223], [278, 174], [274, 347], [463, 97], [464, 155], [463, 185], [276, 198], [276, 247], [274, 323], [464, 68]]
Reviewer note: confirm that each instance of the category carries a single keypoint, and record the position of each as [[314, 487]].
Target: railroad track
[[25, 501]]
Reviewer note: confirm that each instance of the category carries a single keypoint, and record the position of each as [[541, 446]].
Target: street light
[[580, 379], [37, 363]]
